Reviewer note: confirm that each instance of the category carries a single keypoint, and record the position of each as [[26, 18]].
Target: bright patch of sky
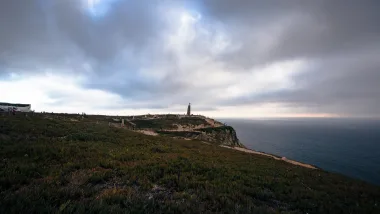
[[50, 92], [98, 8], [269, 78], [47, 92], [196, 44]]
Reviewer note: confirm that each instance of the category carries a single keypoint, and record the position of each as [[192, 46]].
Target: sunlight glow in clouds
[[98, 8], [197, 44], [270, 78]]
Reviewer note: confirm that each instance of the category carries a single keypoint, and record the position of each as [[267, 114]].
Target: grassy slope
[[53, 165], [194, 134], [183, 134], [220, 128], [168, 123]]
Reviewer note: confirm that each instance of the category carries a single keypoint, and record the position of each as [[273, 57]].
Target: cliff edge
[[187, 127], [222, 135]]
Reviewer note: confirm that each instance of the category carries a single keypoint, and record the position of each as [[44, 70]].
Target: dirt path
[[272, 156], [146, 132]]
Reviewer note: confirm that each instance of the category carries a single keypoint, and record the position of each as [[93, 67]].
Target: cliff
[[223, 135], [190, 127]]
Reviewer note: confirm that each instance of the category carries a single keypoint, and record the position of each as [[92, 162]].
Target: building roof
[[14, 104]]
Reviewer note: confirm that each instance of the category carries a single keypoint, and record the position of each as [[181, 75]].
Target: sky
[[228, 58]]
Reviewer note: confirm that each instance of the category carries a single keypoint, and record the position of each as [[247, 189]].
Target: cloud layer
[[259, 58]]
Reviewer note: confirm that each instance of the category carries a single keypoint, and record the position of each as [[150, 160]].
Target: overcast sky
[[229, 58]]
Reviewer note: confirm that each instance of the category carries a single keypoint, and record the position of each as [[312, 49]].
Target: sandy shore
[[272, 156]]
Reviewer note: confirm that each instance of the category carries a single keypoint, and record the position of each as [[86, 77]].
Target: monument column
[[189, 110]]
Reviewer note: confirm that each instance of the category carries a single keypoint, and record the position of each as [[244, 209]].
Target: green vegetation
[[184, 134], [49, 165], [168, 123], [155, 124], [180, 134], [220, 128]]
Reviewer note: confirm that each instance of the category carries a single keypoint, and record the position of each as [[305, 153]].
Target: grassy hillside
[[220, 128], [222, 135], [58, 165], [168, 123], [181, 134]]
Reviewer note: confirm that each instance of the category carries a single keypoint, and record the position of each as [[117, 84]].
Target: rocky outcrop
[[188, 127], [222, 135]]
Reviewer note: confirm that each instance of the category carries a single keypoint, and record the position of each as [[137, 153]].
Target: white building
[[15, 106]]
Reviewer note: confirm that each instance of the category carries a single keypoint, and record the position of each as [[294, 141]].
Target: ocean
[[346, 146]]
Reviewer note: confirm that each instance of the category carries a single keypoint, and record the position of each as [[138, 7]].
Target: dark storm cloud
[[29, 38], [61, 36], [129, 25], [334, 27], [311, 28], [339, 40], [38, 33]]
